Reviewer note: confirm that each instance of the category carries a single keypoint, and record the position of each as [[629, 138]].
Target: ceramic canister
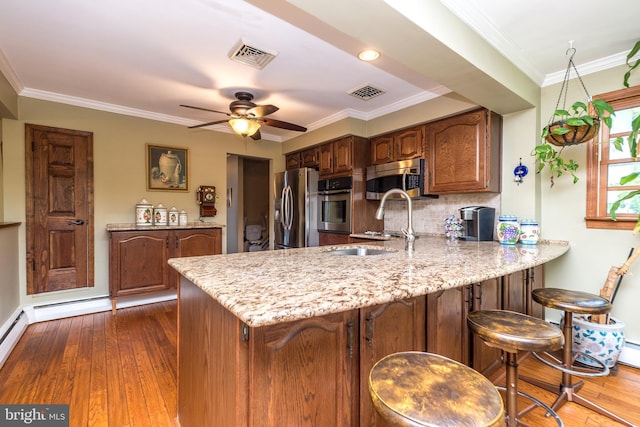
[[529, 231], [174, 216], [144, 213], [182, 217], [508, 229], [160, 215]]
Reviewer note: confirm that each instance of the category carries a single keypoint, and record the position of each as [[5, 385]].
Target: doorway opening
[[247, 203]]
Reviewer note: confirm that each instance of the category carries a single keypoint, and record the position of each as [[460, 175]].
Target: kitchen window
[[606, 165]]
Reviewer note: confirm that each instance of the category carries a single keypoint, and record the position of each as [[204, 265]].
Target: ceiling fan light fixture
[[244, 127]]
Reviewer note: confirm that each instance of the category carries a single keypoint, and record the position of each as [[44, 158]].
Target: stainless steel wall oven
[[334, 204]]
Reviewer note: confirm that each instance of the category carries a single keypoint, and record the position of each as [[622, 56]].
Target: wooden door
[[387, 329], [59, 198], [304, 373], [447, 331]]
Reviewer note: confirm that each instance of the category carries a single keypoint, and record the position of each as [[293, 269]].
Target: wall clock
[[206, 198]]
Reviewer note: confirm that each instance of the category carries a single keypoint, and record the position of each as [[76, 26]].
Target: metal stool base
[[550, 412], [601, 370]]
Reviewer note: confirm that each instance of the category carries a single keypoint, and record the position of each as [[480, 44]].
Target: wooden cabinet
[[292, 161], [138, 259], [463, 153], [342, 156], [387, 329], [335, 157], [447, 331], [310, 362], [302, 373], [401, 145], [310, 158], [326, 239]]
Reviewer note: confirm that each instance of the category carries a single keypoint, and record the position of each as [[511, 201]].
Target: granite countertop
[[265, 288], [134, 227]]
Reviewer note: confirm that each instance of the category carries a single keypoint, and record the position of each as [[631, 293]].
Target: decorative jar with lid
[[160, 215], [174, 216], [508, 229], [529, 231], [144, 213]]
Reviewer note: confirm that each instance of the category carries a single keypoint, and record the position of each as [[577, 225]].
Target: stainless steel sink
[[360, 251]]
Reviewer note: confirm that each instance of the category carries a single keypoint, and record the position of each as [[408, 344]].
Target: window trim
[[595, 218]]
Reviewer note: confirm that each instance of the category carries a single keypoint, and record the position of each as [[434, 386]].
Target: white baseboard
[[43, 313], [630, 355], [14, 327], [11, 332]]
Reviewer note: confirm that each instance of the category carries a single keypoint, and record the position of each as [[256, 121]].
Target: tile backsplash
[[429, 214]]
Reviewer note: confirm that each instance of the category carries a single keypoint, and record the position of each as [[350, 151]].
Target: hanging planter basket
[[573, 135]]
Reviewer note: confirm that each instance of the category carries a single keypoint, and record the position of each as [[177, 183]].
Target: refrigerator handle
[[283, 205], [289, 207]]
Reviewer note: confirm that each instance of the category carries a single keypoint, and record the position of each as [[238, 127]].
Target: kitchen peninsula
[[285, 338]]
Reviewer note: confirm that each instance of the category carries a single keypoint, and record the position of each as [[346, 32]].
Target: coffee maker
[[478, 222]]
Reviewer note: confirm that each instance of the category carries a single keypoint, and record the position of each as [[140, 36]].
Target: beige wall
[[119, 172], [593, 252], [9, 289]]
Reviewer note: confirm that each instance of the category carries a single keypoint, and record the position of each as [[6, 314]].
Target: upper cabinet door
[[464, 153], [382, 149], [401, 145]]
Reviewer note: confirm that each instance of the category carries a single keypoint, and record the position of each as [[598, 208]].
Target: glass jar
[[508, 229], [529, 231]]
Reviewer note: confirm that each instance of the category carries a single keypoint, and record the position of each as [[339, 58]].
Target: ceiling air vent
[[247, 53], [366, 92]]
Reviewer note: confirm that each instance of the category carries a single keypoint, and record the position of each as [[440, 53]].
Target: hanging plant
[[574, 125]]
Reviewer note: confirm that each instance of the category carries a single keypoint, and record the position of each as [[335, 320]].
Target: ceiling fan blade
[[205, 109], [256, 136], [262, 110], [282, 125], [207, 124]]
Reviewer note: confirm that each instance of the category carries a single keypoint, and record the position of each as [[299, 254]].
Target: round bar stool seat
[[572, 302], [512, 332], [424, 389]]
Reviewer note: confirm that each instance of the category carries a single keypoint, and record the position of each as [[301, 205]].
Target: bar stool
[[572, 302], [424, 389], [512, 332]]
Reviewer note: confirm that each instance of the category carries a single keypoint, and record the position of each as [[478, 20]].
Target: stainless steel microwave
[[407, 175]]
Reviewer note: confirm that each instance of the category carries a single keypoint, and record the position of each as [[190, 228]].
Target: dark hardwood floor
[[121, 371]]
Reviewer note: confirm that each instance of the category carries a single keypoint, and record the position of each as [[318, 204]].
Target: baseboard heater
[[10, 328]]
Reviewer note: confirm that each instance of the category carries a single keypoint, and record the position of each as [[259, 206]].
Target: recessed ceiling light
[[369, 55]]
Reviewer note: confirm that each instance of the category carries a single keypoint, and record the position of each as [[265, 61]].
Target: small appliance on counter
[[478, 222]]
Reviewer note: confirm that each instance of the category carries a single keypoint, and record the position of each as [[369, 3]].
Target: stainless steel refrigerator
[[296, 208]]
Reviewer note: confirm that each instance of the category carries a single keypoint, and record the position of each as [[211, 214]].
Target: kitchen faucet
[[408, 232]]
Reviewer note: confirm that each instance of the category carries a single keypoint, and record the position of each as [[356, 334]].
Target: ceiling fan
[[246, 117]]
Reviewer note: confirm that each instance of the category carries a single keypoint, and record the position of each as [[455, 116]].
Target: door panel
[[59, 169]]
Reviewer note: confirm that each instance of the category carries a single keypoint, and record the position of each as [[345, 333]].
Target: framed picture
[[167, 168]]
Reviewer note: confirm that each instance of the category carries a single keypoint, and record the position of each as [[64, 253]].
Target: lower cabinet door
[[138, 262], [304, 373], [387, 329], [447, 331]]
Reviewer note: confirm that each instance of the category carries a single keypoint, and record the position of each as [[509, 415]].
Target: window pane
[[631, 206], [618, 171], [622, 120], [615, 154]]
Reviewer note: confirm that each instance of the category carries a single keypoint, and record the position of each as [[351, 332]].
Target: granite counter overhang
[[265, 288]]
